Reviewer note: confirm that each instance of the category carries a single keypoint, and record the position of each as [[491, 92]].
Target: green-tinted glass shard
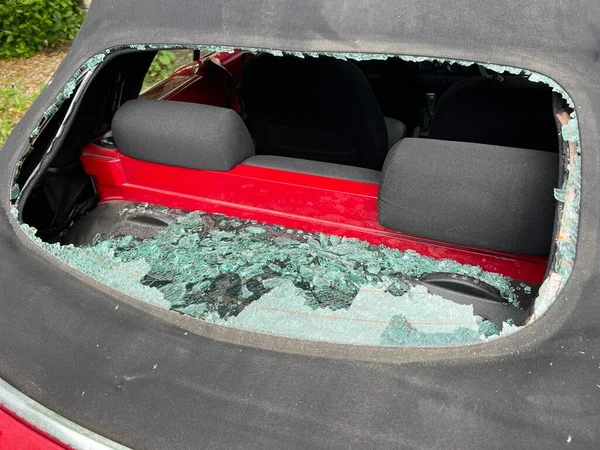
[[272, 279]]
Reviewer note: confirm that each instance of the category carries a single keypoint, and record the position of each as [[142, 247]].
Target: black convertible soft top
[[152, 379]]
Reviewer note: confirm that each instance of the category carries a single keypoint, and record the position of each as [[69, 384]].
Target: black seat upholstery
[[510, 113], [182, 134], [484, 196], [320, 109]]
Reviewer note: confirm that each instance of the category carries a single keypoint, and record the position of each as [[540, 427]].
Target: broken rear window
[[343, 198]]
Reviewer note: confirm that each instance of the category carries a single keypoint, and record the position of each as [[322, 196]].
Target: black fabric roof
[[538, 34], [60, 333]]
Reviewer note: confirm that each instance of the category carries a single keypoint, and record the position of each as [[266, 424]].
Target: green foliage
[[13, 104], [164, 64], [28, 26]]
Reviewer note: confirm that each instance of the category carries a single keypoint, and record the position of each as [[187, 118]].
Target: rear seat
[[511, 113], [320, 109], [476, 195], [207, 138]]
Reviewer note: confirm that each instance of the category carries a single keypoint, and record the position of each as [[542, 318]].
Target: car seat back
[[488, 111], [485, 196], [319, 109]]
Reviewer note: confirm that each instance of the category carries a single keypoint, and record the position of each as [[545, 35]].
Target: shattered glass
[[15, 192], [277, 280], [229, 263], [374, 317]]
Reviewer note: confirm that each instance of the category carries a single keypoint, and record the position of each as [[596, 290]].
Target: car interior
[[449, 160]]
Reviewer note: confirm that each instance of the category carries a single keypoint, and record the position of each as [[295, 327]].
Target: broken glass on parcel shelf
[[272, 279]]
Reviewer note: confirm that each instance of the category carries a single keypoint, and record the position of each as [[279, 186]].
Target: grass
[[13, 104], [21, 81]]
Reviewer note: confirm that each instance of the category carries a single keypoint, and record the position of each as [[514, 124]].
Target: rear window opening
[[374, 201]]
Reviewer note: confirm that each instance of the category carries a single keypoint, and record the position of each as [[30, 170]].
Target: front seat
[[320, 109], [510, 112]]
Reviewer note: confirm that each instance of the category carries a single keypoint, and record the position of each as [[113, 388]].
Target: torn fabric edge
[[566, 240], [69, 89], [57, 140], [568, 223]]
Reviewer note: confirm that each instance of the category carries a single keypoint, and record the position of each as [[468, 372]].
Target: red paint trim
[[307, 202], [16, 434]]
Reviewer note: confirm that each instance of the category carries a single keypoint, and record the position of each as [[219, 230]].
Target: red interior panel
[[306, 202]]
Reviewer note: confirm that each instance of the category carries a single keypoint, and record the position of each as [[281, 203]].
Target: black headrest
[[485, 196], [182, 134]]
